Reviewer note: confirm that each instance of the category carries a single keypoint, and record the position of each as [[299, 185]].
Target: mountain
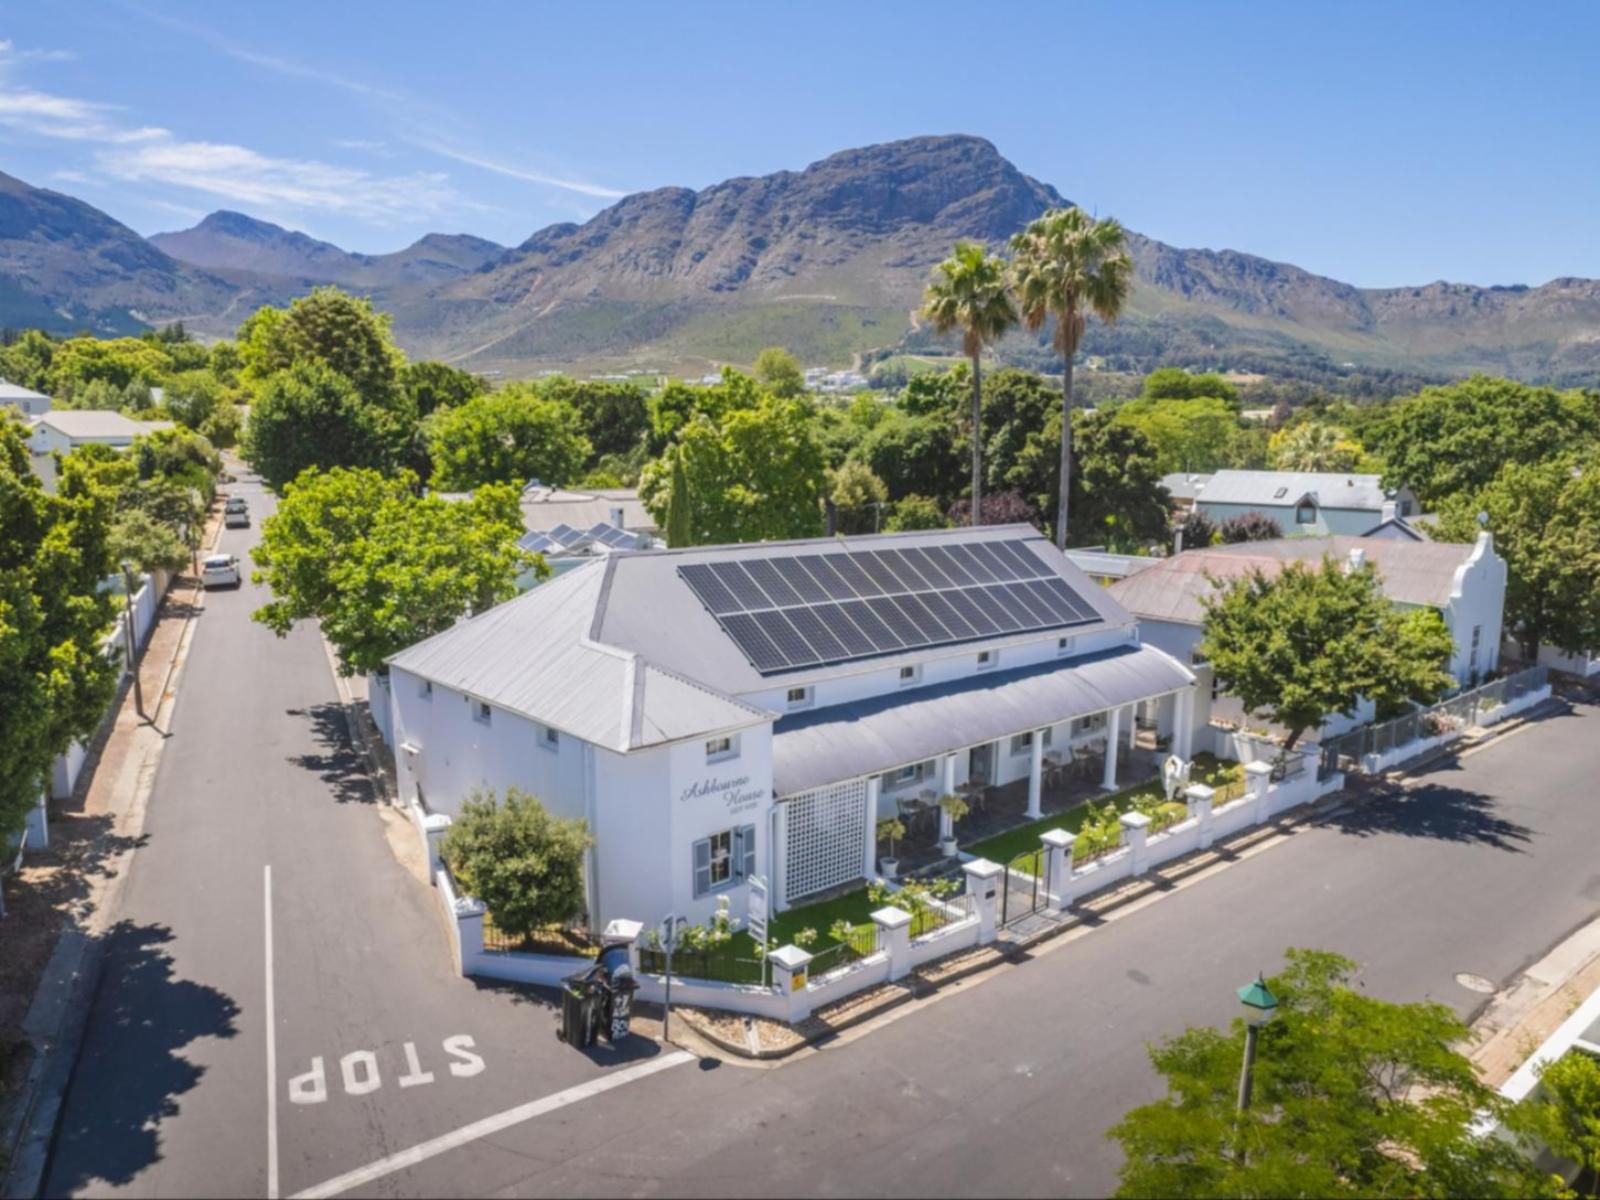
[[829, 261], [234, 241]]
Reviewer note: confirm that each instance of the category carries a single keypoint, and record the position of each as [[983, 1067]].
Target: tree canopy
[[1312, 641], [381, 567], [613, 414], [1352, 1096], [524, 863], [859, 498], [433, 385], [507, 436], [780, 373], [308, 416], [1174, 383], [54, 681]]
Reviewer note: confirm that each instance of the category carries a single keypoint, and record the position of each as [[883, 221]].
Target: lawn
[[1227, 778]]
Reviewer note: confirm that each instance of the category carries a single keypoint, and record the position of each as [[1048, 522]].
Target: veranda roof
[[878, 734]]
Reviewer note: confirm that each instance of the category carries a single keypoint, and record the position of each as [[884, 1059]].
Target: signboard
[[738, 794], [756, 917]]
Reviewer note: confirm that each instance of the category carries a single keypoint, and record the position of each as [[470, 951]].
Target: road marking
[[272, 1054], [491, 1125]]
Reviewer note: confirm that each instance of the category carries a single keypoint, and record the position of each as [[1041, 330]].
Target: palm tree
[[969, 293], [1067, 265]]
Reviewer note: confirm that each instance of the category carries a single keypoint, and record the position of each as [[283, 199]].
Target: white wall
[[1572, 664], [1477, 599], [381, 707]]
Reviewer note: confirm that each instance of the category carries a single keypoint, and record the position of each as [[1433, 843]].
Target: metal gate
[[1025, 886]]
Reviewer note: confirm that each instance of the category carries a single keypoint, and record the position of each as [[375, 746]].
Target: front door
[[982, 770]]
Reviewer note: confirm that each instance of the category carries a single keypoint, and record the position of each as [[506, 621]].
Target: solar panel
[[1002, 568], [903, 567], [786, 638], [820, 568], [982, 623], [854, 639], [798, 578], [932, 629], [811, 628], [965, 558], [947, 563], [1042, 613], [939, 605], [877, 569], [710, 590], [566, 534], [895, 620], [999, 597], [926, 567], [757, 646], [1080, 608], [763, 572], [852, 573], [535, 543], [744, 588], [870, 624], [1026, 562]]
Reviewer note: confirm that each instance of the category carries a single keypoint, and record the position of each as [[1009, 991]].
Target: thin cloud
[[486, 164], [10, 53], [64, 117]]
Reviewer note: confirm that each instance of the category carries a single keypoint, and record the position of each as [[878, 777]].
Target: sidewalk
[[65, 897]]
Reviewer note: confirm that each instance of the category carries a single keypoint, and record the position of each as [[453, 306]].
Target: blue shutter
[[702, 867], [746, 842]]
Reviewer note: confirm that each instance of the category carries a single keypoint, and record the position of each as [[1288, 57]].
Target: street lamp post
[[1259, 1004], [671, 928]]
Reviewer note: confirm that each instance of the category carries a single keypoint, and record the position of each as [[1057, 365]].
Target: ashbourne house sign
[[737, 794]]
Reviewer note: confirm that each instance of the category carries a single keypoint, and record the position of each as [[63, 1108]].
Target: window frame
[[731, 851], [483, 712], [425, 691], [805, 699], [727, 747], [910, 676], [988, 659], [550, 739], [1065, 646]]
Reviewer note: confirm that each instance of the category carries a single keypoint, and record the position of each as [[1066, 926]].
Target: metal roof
[[1284, 489], [544, 508], [11, 393], [648, 608], [532, 656], [1183, 485], [98, 423], [1174, 588], [879, 734]]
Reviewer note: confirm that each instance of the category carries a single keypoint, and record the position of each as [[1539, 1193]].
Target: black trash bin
[[617, 974], [582, 1006]]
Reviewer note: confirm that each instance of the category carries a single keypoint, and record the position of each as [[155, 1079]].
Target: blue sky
[[1381, 144]]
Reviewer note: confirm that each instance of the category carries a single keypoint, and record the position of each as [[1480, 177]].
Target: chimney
[[1358, 559], [1390, 510], [616, 517]]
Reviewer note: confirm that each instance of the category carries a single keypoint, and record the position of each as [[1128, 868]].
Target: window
[[425, 689], [1022, 743], [909, 675], [986, 659], [1063, 646], [482, 713], [908, 774], [1305, 513], [720, 749], [724, 859], [551, 739], [1280, 493], [799, 697], [1405, 508], [1472, 659]]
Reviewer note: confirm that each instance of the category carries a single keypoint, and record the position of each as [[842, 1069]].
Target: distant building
[[564, 547], [1308, 502], [30, 403], [545, 507], [64, 430]]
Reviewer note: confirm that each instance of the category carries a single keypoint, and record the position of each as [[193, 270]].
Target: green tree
[[1314, 446], [1018, 410], [192, 397], [525, 864], [348, 336], [915, 456], [506, 436], [26, 361], [936, 394], [1564, 1113], [1545, 518], [678, 403], [755, 476], [1313, 641], [969, 293], [859, 498], [1067, 265], [915, 512], [310, 416], [221, 428], [382, 568], [780, 373], [1117, 494], [1451, 440], [1174, 383], [680, 517], [612, 413], [54, 681], [434, 385], [117, 362], [146, 543], [1352, 1096], [1189, 434]]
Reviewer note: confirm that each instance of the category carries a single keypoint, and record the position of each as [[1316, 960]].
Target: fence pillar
[[791, 968], [1200, 799], [1258, 779], [1058, 867], [1135, 833], [623, 932], [982, 876], [469, 928], [1036, 776], [1183, 734], [434, 828], [894, 937]]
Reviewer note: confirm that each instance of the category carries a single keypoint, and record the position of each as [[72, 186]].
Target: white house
[[30, 403], [1299, 501], [544, 507], [1465, 583], [64, 429], [715, 713]]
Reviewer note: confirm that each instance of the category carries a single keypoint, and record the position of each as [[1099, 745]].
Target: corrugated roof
[[532, 656], [544, 508], [98, 423], [885, 732], [1174, 588], [12, 393], [647, 608], [1332, 489], [1181, 485]]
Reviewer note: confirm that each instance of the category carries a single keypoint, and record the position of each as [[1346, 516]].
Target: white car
[[220, 570], [236, 518]]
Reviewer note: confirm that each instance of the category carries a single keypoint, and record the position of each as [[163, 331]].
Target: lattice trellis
[[827, 835]]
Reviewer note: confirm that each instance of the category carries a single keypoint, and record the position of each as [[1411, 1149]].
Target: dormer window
[[986, 660], [1305, 513]]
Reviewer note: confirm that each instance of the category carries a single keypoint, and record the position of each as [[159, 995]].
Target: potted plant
[[955, 807], [891, 830]]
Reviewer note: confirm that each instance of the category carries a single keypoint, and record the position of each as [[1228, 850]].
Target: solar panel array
[[565, 537], [807, 609]]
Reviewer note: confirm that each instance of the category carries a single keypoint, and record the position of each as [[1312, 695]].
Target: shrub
[[523, 863]]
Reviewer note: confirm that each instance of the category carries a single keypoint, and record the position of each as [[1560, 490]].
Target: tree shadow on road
[[131, 1070], [338, 763], [1451, 814]]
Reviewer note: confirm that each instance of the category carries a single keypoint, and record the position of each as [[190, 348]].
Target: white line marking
[[272, 1055], [490, 1125]]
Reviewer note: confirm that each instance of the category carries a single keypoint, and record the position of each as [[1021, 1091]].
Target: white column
[[1113, 727], [1058, 851], [947, 827], [1183, 734], [1036, 775], [1132, 731], [982, 886], [1200, 799], [1135, 832], [871, 867], [790, 970], [894, 936], [1258, 778]]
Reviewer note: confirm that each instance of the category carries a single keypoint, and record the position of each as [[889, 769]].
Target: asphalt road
[[1006, 1086]]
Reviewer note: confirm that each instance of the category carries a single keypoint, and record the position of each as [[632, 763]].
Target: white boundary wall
[[1372, 764]]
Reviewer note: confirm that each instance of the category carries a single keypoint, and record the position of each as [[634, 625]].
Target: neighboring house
[[1392, 525], [1183, 487], [65, 429], [544, 508], [719, 712], [27, 401], [1302, 501], [564, 547], [1465, 583]]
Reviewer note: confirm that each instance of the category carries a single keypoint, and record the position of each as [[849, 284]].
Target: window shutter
[[702, 867], [747, 859]]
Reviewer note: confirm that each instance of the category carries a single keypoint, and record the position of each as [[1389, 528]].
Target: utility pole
[[133, 650], [669, 941]]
